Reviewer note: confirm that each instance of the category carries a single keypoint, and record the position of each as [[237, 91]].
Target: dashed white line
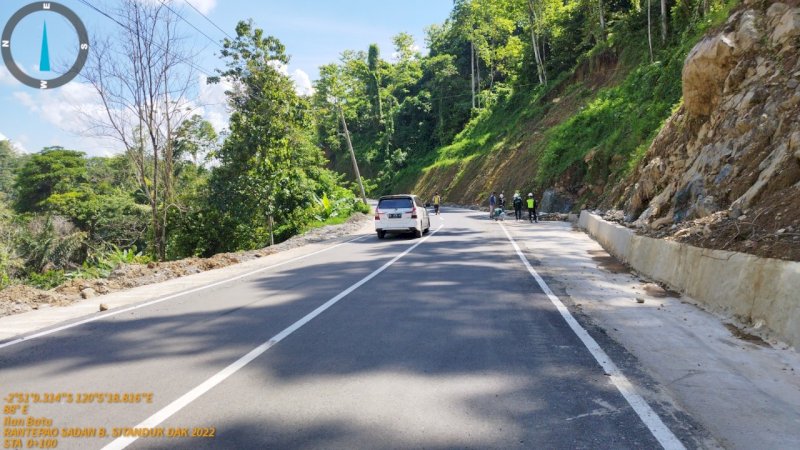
[[219, 377], [661, 432]]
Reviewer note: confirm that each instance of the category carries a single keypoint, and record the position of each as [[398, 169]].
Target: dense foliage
[[493, 68]]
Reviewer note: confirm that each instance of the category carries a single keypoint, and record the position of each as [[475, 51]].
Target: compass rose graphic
[[6, 44]]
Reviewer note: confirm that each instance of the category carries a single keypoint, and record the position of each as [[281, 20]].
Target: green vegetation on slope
[[593, 126], [577, 114]]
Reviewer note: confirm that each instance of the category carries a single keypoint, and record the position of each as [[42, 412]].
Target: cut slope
[[725, 170]]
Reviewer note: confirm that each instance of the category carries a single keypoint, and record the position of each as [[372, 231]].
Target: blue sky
[[314, 33]]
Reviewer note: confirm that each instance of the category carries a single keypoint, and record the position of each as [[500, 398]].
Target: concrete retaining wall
[[753, 290]]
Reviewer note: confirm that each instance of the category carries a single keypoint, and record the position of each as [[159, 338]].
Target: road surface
[[443, 342]]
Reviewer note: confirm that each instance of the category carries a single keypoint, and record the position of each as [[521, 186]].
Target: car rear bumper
[[397, 225]]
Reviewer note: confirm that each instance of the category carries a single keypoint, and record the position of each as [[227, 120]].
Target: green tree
[[54, 170], [9, 162], [195, 139], [268, 167], [374, 88], [10, 262]]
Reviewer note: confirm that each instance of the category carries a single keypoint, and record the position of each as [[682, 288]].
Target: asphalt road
[[452, 345]]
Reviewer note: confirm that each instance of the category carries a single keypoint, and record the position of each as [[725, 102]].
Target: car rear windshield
[[395, 203]]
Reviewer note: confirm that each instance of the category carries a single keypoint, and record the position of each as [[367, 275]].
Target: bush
[[51, 242], [47, 280]]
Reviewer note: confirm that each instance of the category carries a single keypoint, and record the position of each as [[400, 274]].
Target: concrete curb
[[758, 291]]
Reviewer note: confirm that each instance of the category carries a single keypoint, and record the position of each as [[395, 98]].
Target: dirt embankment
[[512, 162], [21, 298]]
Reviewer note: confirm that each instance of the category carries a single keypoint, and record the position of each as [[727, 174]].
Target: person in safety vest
[[437, 200], [532, 208]]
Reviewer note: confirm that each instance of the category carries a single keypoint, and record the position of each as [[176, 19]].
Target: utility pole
[[352, 156]]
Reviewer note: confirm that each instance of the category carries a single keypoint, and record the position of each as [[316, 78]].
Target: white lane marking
[[169, 297], [219, 377], [661, 432]]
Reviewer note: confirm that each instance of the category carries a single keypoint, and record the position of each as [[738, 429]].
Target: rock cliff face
[[724, 172]]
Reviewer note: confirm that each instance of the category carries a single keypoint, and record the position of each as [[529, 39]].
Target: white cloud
[[67, 108], [396, 55], [204, 6], [279, 66], [302, 82], [14, 144], [213, 103], [21, 143]]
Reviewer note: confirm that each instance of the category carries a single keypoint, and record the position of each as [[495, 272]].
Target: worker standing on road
[[532, 208], [492, 203], [437, 199], [517, 206]]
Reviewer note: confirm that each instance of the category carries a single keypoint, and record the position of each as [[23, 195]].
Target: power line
[[212, 40], [184, 60], [209, 20]]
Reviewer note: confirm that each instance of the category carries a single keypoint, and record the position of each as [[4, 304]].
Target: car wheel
[[381, 234], [417, 233]]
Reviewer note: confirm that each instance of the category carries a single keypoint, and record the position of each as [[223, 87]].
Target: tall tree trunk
[[537, 56], [602, 19], [167, 172], [440, 123], [271, 222], [478, 79], [472, 71], [378, 96], [649, 32], [663, 20]]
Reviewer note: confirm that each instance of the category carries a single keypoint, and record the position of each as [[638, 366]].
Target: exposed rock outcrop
[[734, 146]]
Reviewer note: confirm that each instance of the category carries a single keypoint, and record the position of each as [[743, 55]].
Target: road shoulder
[[745, 393]]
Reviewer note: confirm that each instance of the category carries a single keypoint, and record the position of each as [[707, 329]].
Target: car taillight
[[377, 214], [414, 213]]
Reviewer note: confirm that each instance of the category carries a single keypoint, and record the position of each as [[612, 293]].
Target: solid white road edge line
[[169, 297], [661, 432], [219, 377]]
